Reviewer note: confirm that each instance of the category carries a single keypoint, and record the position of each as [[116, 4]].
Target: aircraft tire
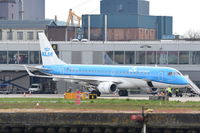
[[98, 93], [123, 93]]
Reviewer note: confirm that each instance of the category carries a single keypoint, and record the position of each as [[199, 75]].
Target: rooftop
[[18, 24], [9, 1]]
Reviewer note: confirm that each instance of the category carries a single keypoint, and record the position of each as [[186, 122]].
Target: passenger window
[[170, 73]]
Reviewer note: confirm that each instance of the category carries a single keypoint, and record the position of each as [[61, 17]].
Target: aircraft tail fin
[[48, 55]]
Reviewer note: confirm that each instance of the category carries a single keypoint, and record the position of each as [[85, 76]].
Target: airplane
[[106, 78]]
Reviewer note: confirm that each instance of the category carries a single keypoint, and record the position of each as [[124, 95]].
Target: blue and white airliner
[[106, 78]]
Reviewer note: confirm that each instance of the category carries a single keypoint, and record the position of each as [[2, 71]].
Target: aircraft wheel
[[123, 93], [98, 93]]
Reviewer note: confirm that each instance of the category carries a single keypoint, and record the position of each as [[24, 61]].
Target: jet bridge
[[194, 87]]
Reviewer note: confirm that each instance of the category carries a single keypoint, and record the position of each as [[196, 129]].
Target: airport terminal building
[[180, 54]]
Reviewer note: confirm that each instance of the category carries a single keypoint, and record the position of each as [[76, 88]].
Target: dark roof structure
[[26, 24], [8, 1]]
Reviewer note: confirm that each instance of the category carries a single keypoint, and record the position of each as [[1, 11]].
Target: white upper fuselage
[[124, 76]]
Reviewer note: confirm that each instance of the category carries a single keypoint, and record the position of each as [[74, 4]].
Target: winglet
[[28, 71]]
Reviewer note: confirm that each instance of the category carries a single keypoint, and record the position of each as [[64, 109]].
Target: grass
[[100, 104]]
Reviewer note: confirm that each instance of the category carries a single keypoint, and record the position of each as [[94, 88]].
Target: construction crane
[[73, 17]]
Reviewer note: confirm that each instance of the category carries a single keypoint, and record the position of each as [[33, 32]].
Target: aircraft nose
[[185, 81]]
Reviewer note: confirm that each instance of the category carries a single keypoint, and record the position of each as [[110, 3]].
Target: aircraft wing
[[39, 68], [86, 79]]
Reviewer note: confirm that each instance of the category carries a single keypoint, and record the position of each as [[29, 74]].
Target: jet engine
[[107, 87]]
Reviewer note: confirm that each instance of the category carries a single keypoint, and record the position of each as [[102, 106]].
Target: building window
[[29, 35], [9, 35], [184, 57], [0, 34], [108, 57], [173, 57], [23, 57], [3, 57], [162, 57], [37, 36], [13, 57], [34, 57], [119, 57], [151, 57], [140, 57], [19, 35], [195, 57], [129, 57]]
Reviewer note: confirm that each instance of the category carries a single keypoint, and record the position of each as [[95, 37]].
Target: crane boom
[[71, 19]]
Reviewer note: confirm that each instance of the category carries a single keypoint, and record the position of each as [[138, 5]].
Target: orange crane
[[72, 17]]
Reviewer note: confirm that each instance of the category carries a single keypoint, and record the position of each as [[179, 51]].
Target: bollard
[[37, 105]]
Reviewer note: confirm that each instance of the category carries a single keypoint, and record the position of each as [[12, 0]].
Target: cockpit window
[[170, 73], [173, 73]]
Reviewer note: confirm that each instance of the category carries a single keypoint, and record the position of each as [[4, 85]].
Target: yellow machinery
[[72, 17], [73, 95], [83, 95]]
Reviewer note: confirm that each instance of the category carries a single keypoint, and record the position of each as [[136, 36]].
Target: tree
[[193, 35]]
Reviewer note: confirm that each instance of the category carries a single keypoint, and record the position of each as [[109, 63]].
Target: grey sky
[[185, 12]]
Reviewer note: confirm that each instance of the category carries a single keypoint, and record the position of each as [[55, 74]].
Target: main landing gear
[[123, 93], [98, 93]]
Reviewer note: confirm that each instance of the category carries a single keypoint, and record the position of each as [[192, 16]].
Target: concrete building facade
[[124, 7], [182, 55], [16, 30], [127, 20], [22, 9], [9, 10]]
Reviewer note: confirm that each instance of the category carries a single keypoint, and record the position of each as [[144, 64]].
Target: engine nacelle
[[150, 90], [107, 87]]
